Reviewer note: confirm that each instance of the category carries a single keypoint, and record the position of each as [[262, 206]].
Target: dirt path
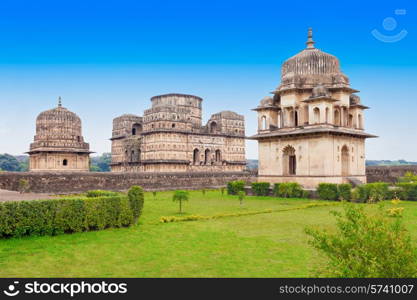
[[16, 196]]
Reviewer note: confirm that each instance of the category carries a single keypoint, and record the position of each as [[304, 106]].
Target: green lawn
[[263, 245]]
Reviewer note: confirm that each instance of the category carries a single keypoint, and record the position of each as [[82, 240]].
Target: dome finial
[[59, 101], [310, 42]]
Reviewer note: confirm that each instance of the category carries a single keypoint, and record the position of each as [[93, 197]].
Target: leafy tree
[[101, 163], [241, 195], [9, 163], [180, 196], [408, 177], [203, 191], [366, 245], [154, 194]]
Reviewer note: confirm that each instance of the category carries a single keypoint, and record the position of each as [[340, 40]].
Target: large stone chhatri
[[312, 129]]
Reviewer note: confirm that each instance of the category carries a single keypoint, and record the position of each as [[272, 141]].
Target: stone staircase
[[354, 181]]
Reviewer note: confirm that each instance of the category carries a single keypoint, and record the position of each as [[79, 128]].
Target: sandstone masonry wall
[[388, 173], [79, 182]]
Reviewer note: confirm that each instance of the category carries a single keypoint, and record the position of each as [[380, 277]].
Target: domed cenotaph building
[[170, 137], [59, 145], [312, 129]]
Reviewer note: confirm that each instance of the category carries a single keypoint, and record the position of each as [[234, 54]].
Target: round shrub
[[233, 187], [260, 188], [328, 191], [136, 199]]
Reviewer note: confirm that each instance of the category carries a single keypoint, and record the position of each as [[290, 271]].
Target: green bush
[[288, 190], [233, 187], [275, 190], [408, 177], [328, 191], [68, 215], [100, 193], [344, 191], [407, 190], [260, 188], [136, 199], [366, 245]]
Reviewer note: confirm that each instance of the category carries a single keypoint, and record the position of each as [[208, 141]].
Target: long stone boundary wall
[[81, 182], [388, 173]]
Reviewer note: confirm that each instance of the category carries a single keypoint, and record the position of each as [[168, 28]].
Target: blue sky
[[106, 58]]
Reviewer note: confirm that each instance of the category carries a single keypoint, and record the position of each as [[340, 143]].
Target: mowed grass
[[264, 245]]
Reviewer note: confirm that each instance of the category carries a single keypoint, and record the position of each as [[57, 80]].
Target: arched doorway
[[213, 127], [207, 156], [289, 161], [345, 161]]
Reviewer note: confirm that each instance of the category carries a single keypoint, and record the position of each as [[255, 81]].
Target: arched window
[[316, 112], [327, 115], [207, 157], [196, 157], [337, 117], [213, 127], [289, 161], [65, 162], [345, 161], [296, 118], [279, 120], [136, 129], [350, 120], [218, 156], [263, 123], [173, 125]]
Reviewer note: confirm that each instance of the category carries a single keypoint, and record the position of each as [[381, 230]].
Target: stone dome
[[266, 101], [59, 129], [354, 99], [320, 91], [310, 67]]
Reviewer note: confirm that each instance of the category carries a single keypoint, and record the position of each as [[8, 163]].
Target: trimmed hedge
[[100, 193], [289, 190], [233, 187], [372, 192], [333, 191], [407, 190], [344, 191], [260, 188], [327, 191], [68, 215]]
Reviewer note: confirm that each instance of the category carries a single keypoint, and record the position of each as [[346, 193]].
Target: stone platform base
[[309, 182]]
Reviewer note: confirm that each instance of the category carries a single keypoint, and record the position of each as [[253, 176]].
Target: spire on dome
[[310, 42], [59, 101]]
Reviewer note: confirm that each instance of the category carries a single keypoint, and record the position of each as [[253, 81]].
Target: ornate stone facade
[[58, 144], [170, 138], [312, 129]]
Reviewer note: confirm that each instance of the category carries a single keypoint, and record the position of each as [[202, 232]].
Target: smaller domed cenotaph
[[58, 144]]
